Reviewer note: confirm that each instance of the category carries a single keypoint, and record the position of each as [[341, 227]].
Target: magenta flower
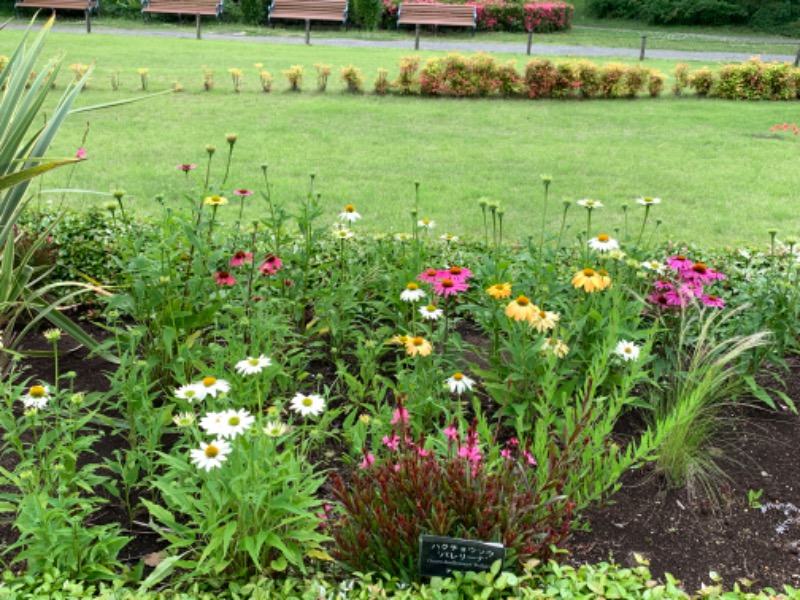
[[506, 453], [712, 300], [271, 265], [679, 262], [400, 416], [242, 192], [186, 168], [699, 273], [450, 432], [81, 153], [449, 287], [529, 457], [368, 461], [225, 278], [455, 273], [240, 258], [429, 275], [391, 442], [471, 453]]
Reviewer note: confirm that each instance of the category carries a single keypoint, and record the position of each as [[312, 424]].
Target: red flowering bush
[[458, 75]]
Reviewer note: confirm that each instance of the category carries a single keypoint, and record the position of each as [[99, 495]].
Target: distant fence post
[[644, 45], [797, 57], [530, 40]]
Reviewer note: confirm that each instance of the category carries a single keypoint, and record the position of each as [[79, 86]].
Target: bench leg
[[197, 25], [416, 38], [530, 40], [308, 32], [88, 22]]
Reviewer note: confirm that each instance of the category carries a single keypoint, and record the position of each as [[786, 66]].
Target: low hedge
[[749, 80]]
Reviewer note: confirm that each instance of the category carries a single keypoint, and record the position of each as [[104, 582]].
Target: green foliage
[[366, 13], [254, 12]]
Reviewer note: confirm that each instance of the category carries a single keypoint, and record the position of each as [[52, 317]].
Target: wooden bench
[[87, 6], [198, 8], [308, 10], [458, 15]]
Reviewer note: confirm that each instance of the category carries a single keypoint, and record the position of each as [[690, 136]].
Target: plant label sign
[[440, 556]]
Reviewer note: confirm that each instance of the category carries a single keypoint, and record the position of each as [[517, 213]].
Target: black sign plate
[[440, 556]]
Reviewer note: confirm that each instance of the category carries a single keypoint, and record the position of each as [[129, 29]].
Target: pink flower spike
[[242, 192], [400, 416], [271, 265], [529, 457], [225, 278], [186, 168], [451, 433], [369, 460], [449, 287], [391, 442], [513, 442], [240, 258], [81, 153]]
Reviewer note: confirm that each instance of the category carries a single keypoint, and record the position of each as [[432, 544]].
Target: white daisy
[[459, 383], [403, 237], [430, 312], [590, 204], [211, 386], [210, 456], [603, 243], [349, 214], [251, 365], [213, 422], [37, 397], [627, 350], [276, 429], [412, 293], [183, 419], [426, 223], [234, 423], [647, 201], [310, 404], [343, 234], [448, 237], [653, 265], [191, 392]]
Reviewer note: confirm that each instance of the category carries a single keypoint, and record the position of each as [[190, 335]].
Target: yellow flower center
[[234, 421], [412, 286], [211, 451], [589, 272], [209, 381], [426, 221], [458, 376], [648, 200], [431, 308], [253, 361], [699, 268], [37, 391], [350, 208], [418, 341], [307, 402], [603, 238], [523, 301], [447, 283], [542, 314], [627, 350]]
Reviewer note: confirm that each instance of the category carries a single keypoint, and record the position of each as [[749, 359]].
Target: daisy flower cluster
[[685, 281], [522, 309]]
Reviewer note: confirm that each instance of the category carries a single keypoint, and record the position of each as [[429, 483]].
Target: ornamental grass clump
[[457, 492]]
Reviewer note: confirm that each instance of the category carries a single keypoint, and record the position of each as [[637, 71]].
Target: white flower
[[430, 312], [308, 404], [557, 347], [603, 243], [403, 237], [234, 423], [543, 320], [627, 350], [210, 456], [653, 265], [590, 204], [448, 237], [426, 223], [647, 201], [459, 383], [191, 392], [276, 429], [349, 214], [412, 293], [213, 422], [343, 234], [251, 365], [37, 397], [183, 419], [211, 386]]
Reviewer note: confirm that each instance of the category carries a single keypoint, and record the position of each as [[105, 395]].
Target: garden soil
[[749, 532]]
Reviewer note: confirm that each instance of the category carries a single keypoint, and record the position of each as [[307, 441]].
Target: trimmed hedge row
[[749, 80]]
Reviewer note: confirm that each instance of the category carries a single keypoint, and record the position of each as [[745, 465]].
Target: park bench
[[198, 8], [457, 15], [87, 6], [308, 10]]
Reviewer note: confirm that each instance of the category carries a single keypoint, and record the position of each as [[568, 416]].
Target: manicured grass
[[722, 178]]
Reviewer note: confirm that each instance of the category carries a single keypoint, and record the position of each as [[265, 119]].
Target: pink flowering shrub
[[390, 501]]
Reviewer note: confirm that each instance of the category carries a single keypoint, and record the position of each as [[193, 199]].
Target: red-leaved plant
[[389, 503]]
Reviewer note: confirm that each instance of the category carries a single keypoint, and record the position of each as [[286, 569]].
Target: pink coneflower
[[429, 275], [242, 193], [240, 258], [81, 153], [679, 262], [659, 299], [271, 265], [455, 273], [712, 300], [449, 287], [225, 278], [185, 168]]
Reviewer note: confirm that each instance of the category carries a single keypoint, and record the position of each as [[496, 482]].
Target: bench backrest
[[331, 10], [436, 14]]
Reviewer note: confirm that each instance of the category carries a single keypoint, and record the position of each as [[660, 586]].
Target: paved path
[[432, 44]]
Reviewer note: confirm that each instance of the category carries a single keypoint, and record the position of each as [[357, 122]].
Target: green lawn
[[721, 178]]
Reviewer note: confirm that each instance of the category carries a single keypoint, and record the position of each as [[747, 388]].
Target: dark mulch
[[677, 531]]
